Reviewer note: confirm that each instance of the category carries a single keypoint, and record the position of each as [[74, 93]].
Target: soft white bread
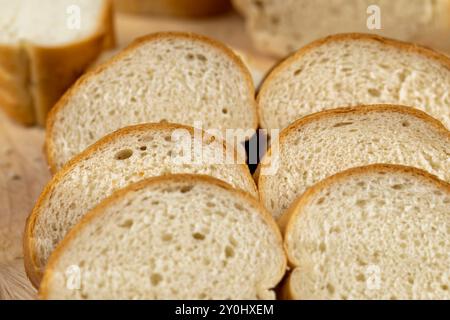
[[328, 142], [178, 8], [126, 156], [43, 50], [376, 232], [177, 77], [173, 237], [354, 69], [281, 27]]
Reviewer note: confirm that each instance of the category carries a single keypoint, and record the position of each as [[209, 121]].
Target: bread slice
[[126, 156], [376, 232], [43, 51], [325, 143], [281, 27], [173, 237], [177, 8], [177, 77], [354, 69]]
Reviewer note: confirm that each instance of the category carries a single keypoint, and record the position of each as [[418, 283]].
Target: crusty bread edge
[[377, 108], [296, 209], [99, 210], [298, 55], [50, 148], [32, 268]]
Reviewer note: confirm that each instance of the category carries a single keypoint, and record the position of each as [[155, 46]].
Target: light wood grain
[[23, 169]]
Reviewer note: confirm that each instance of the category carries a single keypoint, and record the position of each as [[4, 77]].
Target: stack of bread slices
[[150, 200]]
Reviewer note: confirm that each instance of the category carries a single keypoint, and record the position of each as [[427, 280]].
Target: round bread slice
[[126, 156], [331, 141], [177, 77], [376, 232], [173, 237], [355, 69]]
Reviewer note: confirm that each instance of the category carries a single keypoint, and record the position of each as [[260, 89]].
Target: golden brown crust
[[50, 148], [382, 108], [31, 266], [405, 46], [179, 178], [296, 209], [178, 8], [15, 99]]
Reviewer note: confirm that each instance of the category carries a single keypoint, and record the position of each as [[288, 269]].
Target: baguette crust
[[50, 147], [15, 98], [382, 108], [296, 209], [405, 46], [179, 8], [32, 268], [43, 73], [99, 210]]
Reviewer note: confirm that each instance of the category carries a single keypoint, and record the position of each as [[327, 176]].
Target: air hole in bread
[[361, 203], [360, 277], [167, 237], [322, 247], [330, 289], [198, 236], [190, 56], [156, 279], [405, 124], [143, 148], [127, 224], [229, 252], [298, 71], [374, 92], [201, 57], [186, 189], [397, 187], [342, 124], [124, 154], [224, 110]]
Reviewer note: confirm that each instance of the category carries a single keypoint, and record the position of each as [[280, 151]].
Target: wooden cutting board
[[23, 170]]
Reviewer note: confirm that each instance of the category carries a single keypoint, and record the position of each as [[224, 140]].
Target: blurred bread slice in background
[[178, 8], [43, 50], [281, 27]]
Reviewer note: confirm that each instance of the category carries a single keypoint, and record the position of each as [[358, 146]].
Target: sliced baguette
[[376, 232], [355, 69], [126, 156], [325, 143], [41, 55], [177, 77], [281, 27], [173, 237]]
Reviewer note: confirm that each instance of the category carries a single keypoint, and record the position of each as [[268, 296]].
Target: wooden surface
[[23, 170]]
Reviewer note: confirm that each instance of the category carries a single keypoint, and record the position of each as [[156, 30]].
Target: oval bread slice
[[126, 156], [174, 237], [355, 69], [177, 77], [376, 232], [327, 142]]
